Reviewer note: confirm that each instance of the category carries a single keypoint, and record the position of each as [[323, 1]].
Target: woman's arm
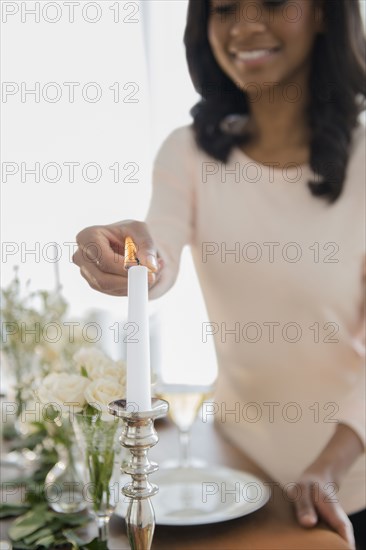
[[312, 498], [340, 453], [170, 214]]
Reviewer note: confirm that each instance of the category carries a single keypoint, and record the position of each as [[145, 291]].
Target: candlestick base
[[139, 435]]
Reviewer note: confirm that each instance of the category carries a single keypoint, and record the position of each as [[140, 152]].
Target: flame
[[131, 258], [130, 253]]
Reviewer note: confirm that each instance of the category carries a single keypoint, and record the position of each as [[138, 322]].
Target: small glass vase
[[19, 457], [64, 484], [98, 441]]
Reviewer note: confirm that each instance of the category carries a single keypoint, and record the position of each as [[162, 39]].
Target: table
[[273, 527]]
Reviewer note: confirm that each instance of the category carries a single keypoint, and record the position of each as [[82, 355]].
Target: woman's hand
[[315, 498], [100, 255], [315, 494]]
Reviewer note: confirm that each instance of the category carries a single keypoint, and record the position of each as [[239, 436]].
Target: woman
[[267, 187]]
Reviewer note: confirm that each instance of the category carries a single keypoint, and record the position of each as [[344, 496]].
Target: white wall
[[34, 214], [37, 52]]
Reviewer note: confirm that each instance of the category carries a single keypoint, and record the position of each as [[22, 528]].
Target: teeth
[[255, 54]]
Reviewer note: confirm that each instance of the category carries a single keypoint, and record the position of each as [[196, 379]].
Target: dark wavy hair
[[337, 92]]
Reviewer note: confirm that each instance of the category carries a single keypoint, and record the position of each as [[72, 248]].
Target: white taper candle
[[138, 391]]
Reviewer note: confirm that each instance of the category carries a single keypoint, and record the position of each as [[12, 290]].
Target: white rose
[[116, 370], [66, 391], [98, 365], [100, 393], [93, 360]]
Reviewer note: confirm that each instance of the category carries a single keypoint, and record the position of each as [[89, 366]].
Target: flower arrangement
[[34, 338], [89, 386], [84, 394], [47, 359]]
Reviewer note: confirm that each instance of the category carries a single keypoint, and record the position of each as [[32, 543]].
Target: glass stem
[[103, 527], [184, 440]]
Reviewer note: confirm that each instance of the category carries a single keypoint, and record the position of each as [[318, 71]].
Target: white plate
[[197, 496]]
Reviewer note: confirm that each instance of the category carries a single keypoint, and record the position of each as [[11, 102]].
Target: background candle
[[138, 348]]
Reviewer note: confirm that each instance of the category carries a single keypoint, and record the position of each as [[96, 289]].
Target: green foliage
[[79, 544], [25, 310], [42, 528], [37, 527], [95, 544], [12, 510], [83, 372], [99, 447], [32, 440], [29, 523]]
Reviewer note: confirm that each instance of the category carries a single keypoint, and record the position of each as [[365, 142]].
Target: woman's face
[[264, 42]]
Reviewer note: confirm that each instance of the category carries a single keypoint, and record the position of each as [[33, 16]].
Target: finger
[[152, 278], [99, 252], [304, 506], [102, 281], [111, 284], [147, 255], [104, 246], [336, 517], [116, 285], [77, 258], [105, 250]]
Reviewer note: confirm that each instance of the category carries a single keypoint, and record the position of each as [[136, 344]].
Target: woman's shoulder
[[178, 148], [356, 170], [182, 136], [357, 154], [178, 151]]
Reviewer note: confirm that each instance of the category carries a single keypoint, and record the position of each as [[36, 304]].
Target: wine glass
[[185, 401], [176, 376]]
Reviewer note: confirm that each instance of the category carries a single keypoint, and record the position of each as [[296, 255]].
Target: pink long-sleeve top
[[283, 277]]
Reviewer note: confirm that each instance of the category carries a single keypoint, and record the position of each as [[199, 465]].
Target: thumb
[[305, 510]]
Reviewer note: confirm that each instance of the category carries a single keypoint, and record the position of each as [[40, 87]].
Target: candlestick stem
[[139, 435]]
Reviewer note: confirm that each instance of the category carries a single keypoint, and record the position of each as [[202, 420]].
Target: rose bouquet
[[84, 397], [38, 338]]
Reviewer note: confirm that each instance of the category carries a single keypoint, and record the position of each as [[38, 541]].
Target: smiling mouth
[[254, 54], [248, 56]]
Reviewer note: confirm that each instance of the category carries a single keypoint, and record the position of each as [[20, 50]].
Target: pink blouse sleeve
[[352, 409], [170, 214]]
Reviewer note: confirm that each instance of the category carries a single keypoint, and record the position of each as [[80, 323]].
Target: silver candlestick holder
[[138, 436]]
